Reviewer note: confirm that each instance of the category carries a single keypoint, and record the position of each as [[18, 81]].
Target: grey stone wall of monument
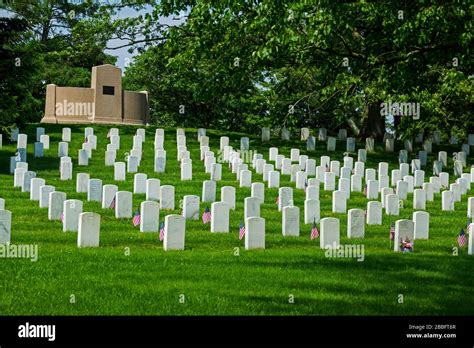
[[105, 102]]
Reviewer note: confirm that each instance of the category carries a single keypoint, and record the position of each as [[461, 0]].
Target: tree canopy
[[245, 64]]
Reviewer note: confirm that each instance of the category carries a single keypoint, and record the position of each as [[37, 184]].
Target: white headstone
[[119, 171], [258, 191], [392, 205], [329, 181], [421, 221], [36, 183], [355, 223], [55, 205], [191, 207], [228, 196], [132, 164], [153, 189], [149, 216], [88, 230], [251, 207], [374, 213], [82, 179], [5, 226], [22, 141], [110, 157], [404, 229], [94, 190], [216, 172], [139, 183], [419, 199], [108, 195], [123, 204], [208, 191], [372, 189], [254, 233], [245, 178], [167, 199], [220, 217], [291, 221], [66, 171], [285, 197], [18, 177], [312, 211], [83, 158], [339, 202], [175, 227], [447, 201], [72, 208], [330, 233], [66, 134], [273, 179]]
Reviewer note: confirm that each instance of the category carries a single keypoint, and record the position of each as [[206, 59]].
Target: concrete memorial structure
[[104, 102]]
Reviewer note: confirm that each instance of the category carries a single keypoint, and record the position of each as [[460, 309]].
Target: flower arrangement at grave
[[406, 245]]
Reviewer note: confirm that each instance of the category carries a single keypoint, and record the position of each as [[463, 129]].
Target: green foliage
[[246, 64], [310, 63], [45, 42]]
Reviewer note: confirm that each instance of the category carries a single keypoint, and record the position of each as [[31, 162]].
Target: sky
[[124, 58]]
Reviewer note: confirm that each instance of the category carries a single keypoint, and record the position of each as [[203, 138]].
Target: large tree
[[315, 63], [55, 44]]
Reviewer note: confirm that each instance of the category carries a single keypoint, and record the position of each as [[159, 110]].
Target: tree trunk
[[373, 124]]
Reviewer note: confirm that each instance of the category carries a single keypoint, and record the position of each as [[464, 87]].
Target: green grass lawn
[[213, 279]]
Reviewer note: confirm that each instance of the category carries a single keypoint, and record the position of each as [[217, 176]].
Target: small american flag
[[468, 227], [136, 218], [206, 216], [162, 231], [62, 217], [277, 200], [112, 204], [314, 231], [462, 238], [392, 231], [241, 230]]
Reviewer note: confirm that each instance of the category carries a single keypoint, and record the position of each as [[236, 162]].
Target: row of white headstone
[[181, 143]]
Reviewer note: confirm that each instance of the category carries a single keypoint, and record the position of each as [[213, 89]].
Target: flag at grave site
[[206, 216], [314, 231], [112, 204], [468, 227], [62, 217], [392, 231], [462, 238], [162, 231], [277, 200], [241, 230], [136, 218]]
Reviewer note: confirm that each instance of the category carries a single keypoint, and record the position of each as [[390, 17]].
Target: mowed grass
[[215, 274]]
